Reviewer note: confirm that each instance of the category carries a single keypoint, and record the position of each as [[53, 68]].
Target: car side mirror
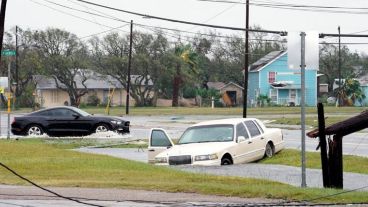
[[241, 139], [76, 116]]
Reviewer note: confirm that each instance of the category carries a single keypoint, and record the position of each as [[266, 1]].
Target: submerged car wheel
[[101, 128], [226, 161], [34, 130], [269, 150]]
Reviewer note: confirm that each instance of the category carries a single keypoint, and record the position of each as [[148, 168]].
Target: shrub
[[93, 100]]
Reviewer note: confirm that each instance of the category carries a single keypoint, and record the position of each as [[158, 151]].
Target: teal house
[[270, 76]]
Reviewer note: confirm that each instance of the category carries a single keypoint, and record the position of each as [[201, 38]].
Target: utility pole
[[16, 79], [302, 68], [2, 23], [9, 98], [246, 60], [339, 97], [129, 67]]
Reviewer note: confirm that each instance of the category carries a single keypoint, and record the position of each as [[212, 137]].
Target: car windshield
[[81, 112], [211, 133]]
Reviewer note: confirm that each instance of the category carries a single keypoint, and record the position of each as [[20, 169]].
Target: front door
[[159, 141], [292, 97]]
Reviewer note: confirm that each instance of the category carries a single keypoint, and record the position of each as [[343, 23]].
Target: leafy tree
[[329, 63], [350, 92], [186, 56], [110, 56], [63, 58]]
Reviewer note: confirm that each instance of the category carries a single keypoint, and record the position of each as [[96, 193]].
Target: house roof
[[232, 83], [221, 85], [95, 81], [265, 60], [215, 85]]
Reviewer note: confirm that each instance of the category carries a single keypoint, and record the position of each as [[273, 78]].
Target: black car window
[[62, 113], [69, 113], [159, 139], [241, 131], [43, 113], [252, 127], [58, 112]]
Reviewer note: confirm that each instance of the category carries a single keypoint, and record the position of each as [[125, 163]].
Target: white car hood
[[196, 149]]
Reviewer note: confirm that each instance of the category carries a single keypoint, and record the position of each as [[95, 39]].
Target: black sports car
[[66, 121]]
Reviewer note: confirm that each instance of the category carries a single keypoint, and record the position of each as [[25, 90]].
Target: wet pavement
[[280, 173], [27, 196]]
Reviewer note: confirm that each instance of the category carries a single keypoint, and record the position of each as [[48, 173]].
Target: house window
[[292, 94], [273, 95], [271, 77]]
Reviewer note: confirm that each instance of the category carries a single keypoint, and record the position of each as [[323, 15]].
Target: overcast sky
[[35, 15]]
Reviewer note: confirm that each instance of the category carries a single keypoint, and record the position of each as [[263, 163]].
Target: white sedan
[[217, 142]]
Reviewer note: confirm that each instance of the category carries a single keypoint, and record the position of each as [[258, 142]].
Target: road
[[354, 144]]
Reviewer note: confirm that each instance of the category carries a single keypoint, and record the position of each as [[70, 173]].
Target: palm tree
[[350, 92], [186, 56]]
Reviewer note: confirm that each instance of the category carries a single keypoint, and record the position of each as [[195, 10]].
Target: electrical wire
[[142, 25], [213, 17], [47, 190], [181, 21], [109, 30], [70, 14], [300, 7]]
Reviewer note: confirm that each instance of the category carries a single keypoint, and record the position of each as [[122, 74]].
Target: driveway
[[281, 173]]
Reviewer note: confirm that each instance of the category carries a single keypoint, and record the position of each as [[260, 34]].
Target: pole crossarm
[[323, 35]]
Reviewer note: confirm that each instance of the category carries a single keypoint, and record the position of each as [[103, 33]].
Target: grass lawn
[[151, 111], [309, 121], [51, 164], [284, 115], [291, 157]]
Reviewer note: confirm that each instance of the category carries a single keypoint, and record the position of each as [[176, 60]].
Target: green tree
[[329, 63], [186, 56], [64, 57], [350, 92], [110, 56]]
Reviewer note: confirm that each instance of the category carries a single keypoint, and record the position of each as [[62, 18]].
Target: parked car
[[218, 142], [64, 121]]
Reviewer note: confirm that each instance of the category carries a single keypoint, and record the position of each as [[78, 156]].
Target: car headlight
[[160, 160], [116, 122], [206, 157]]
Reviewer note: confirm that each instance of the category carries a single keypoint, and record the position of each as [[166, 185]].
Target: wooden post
[[323, 146], [339, 163], [335, 164]]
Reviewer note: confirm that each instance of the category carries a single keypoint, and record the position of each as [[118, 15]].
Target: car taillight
[[13, 120]]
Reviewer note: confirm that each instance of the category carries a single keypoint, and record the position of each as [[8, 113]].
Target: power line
[[181, 21], [115, 28], [142, 25], [300, 7], [47, 190], [70, 14], [213, 17]]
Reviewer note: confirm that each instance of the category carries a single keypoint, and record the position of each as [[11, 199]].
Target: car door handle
[[262, 137], [250, 142], [151, 150]]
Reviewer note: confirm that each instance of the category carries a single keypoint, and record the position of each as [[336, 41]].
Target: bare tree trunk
[[176, 86], [175, 99]]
